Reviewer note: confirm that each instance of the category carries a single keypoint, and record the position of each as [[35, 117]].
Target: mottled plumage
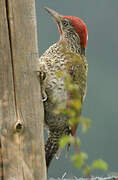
[[53, 91]]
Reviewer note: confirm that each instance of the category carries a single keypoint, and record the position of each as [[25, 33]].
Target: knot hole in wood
[[19, 127]]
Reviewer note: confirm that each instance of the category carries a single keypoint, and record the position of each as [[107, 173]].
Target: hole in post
[[19, 127]]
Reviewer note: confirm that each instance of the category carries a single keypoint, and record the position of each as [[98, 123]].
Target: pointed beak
[[54, 14]]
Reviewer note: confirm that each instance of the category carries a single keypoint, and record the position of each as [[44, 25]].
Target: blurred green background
[[101, 103]]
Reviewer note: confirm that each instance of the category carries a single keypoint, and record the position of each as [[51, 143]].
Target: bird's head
[[70, 23]]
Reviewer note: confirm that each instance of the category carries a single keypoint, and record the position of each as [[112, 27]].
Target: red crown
[[80, 28]]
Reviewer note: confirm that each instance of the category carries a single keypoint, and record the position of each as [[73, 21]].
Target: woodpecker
[[73, 31]]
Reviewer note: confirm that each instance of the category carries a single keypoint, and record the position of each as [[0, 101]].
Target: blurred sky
[[101, 104]]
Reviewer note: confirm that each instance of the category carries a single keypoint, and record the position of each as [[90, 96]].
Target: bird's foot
[[44, 95]]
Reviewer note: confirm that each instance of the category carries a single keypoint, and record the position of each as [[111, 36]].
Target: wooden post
[[21, 108]]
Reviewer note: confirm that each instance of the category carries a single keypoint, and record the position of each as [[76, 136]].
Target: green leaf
[[70, 112], [73, 121], [86, 170], [68, 139], [79, 159], [59, 74], [65, 140], [76, 104], [86, 123], [99, 164]]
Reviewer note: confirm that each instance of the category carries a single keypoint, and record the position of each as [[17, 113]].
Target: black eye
[[65, 23]]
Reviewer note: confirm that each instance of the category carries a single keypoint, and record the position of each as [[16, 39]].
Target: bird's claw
[[57, 155], [44, 95]]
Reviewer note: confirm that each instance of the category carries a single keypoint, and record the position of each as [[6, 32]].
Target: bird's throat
[[73, 42]]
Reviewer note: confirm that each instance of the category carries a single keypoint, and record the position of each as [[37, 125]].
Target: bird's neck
[[73, 42]]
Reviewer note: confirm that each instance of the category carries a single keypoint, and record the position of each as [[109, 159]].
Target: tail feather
[[52, 144], [51, 148]]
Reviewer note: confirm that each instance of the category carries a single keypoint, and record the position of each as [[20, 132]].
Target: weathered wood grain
[[21, 109]]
